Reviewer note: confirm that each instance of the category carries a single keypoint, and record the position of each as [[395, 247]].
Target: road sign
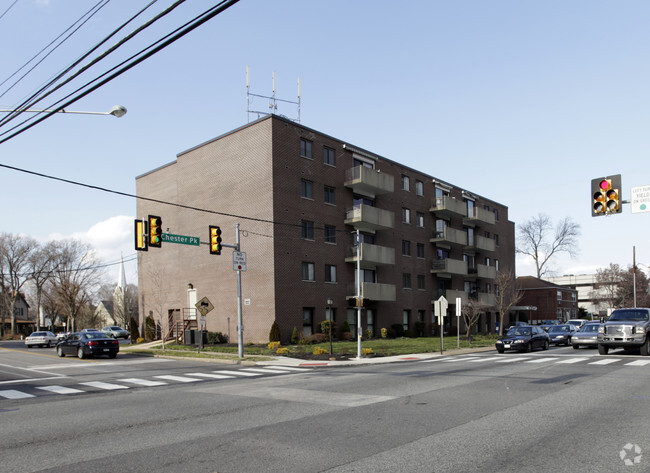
[[440, 307], [459, 306], [180, 239], [204, 306], [238, 261], [640, 198]]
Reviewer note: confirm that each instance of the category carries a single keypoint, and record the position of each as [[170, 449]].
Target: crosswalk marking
[[265, 370], [541, 360], [638, 363], [606, 361], [102, 385], [211, 375], [13, 394], [143, 382], [237, 373], [181, 379], [458, 358], [489, 358], [60, 389], [572, 360], [436, 359], [510, 360]]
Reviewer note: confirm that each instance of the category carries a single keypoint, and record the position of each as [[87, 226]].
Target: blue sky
[[521, 101]]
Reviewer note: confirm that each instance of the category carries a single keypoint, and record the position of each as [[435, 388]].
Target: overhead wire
[[7, 10]]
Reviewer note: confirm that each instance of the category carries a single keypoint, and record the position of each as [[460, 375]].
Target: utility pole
[[240, 322], [359, 295]]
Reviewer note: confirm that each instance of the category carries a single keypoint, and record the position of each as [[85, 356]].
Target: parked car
[[523, 338], [115, 332], [87, 344], [62, 335], [587, 336], [561, 334], [627, 328], [41, 339], [90, 330], [577, 322]]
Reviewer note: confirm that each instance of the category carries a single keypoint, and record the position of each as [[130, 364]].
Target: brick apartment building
[[299, 197], [552, 301]]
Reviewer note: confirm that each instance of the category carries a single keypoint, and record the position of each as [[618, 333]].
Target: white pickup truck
[[625, 328]]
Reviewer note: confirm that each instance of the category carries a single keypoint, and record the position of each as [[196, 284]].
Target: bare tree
[[539, 240], [15, 251], [471, 310], [42, 263], [606, 294], [506, 294], [157, 300], [76, 279]]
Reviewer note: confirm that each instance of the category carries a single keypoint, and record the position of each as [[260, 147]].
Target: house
[[545, 300]]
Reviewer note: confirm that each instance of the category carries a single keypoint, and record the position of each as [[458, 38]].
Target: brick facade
[[258, 176]]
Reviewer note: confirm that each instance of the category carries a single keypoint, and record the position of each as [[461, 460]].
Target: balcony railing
[[487, 300], [478, 216], [369, 218], [449, 236], [445, 206], [449, 266], [483, 271], [369, 182], [373, 291], [481, 244], [371, 255]]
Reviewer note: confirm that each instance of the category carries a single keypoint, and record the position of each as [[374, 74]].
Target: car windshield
[[519, 331], [590, 328], [38, 334], [629, 314], [559, 328], [94, 335]]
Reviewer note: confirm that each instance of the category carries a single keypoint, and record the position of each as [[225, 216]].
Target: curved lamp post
[[117, 111]]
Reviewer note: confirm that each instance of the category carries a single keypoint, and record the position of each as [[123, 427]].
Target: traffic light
[[606, 195], [140, 232], [155, 231], [215, 240]]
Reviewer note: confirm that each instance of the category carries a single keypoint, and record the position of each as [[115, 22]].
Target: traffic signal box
[[140, 232], [215, 240], [606, 195], [155, 231]]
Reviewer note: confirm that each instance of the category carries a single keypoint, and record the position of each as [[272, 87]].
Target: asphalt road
[[556, 410]]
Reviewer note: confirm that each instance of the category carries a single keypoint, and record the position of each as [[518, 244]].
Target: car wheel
[[645, 348], [80, 353], [112, 355], [546, 345], [575, 347], [500, 350], [529, 348], [49, 345], [603, 350], [59, 351]]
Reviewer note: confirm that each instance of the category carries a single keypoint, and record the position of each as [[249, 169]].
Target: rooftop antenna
[[273, 100]]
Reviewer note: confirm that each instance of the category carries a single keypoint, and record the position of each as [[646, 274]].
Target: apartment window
[[406, 248], [441, 253], [419, 219], [559, 295], [406, 315], [330, 273], [421, 282], [307, 320], [305, 148], [328, 156], [420, 250], [330, 314], [488, 288], [330, 234], [487, 261], [406, 280], [441, 225], [470, 236], [307, 230], [406, 183], [419, 187], [307, 271], [406, 215], [496, 264], [573, 296], [366, 238], [306, 189], [470, 208], [329, 195], [496, 239], [370, 321], [496, 214]]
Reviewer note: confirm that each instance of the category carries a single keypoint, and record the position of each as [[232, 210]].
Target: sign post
[[440, 310], [459, 306]]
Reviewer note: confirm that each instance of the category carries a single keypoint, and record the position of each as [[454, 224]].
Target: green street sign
[[181, 239]]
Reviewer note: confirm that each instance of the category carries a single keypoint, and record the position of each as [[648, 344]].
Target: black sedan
[[87, 344], [561, 334], [524, 339]]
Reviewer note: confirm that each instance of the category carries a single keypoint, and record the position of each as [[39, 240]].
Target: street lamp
[[117, 111], [330, 301]]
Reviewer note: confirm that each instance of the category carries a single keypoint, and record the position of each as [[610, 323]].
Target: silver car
[[587, 336], [41, 339], [115, 332]]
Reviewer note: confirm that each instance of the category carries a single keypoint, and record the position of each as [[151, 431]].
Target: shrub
[[366, 351], [346, 336], [273, 345], [398, 329], [216, 337], [419, 329], [391, 333], [368, 334], [319, 351], [274, 334], [139, 340], [384, 333], [314, 338], [149, 328], [325, 328], [345, 328], [282, 351], [408, 334], [133, 327], [295, 337]]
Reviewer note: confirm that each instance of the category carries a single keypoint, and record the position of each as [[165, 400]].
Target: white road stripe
[[572, 360], [102, 385], [143, 382], [292, 368], [606, 361], [237, 373], [638, 363], [489, 358], [265, 370], [180, 379], [60, 389], [512, 360], [13, 394], [211, 375], [541, 360], [435, 359], [466, 358]]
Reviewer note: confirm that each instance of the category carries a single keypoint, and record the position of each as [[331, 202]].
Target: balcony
[[449, 236], [373, 291], [481, 244], [479, 216], [368, 182], [448, 267], [371, 255], [445, 206], [369, 219], [486, 300], [482, 271]]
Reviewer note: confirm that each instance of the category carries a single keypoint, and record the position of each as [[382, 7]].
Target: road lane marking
[[102, 385], [60, 389], [237, 373], [541, 360], [466, 358], [572, 360], [143, 382], [211, 375], [512, 360], [638, 363], [489, 358], [266, 370], [606, 361], [180, 379], [13, 394]]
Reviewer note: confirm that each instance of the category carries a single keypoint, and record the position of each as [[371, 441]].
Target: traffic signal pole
[[240, 322]]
